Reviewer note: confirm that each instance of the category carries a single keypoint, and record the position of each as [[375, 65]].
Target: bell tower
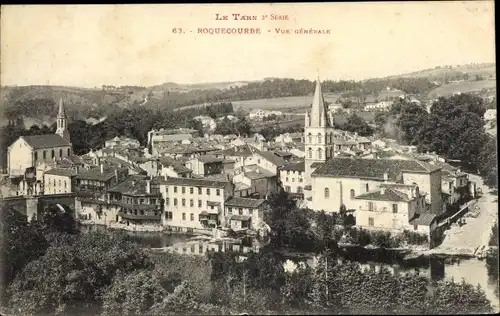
[[318, 134], [62, 122]]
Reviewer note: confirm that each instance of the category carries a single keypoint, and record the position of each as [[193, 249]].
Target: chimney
[[165, 176], [102, 168], [116, 174], [413, 193], [148, 186], [382, 190], [386, 176], [133, 183]]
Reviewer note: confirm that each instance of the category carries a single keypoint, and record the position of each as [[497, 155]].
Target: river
[[472, 270]]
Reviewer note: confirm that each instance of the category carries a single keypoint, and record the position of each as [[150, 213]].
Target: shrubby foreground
[[49, 268]]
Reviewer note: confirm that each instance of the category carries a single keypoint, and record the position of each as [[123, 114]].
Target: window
[[183, 202], [59, 183], [287, 188], [36, 155], [141, 201], [352, 193], [309, 137], [65, 184], [200, 248], [371, 222], [327, 193], [69, 152], [142, 212], [183, 216], [288, 172], [286, 179], [300, 180], [366, 187], [192, 217], [258, 160], [299, 189], [44, 154], [293, 179], [370, 206], [175, 189], [192, 248], [394, 208], [415, 227], [183, 190], [229, 210], [169, 215], [191, 202], [208, 191], [320, 153], [175, 202], [250, 212], [217, 192], [240, 211], [310, 155], [191, 190], [167, 201], [60, 152], [199, 191], [320, 139], [199, 203], [53, 153]]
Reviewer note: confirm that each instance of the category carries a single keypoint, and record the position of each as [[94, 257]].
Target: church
[[381, 193], [31, 151]]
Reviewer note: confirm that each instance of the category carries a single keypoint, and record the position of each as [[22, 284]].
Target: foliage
[[487, 162], [356, 124], [20, 244], [75, 271]]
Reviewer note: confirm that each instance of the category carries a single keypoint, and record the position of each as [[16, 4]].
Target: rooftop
[[389, 195], [272, 157], [61, 172], [424, 219], [244, 202], [298, 166], [46, 141], [195, 183], [371, 168], [134, 185]]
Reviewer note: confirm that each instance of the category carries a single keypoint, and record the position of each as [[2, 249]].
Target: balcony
[[145, 207], [143, 217]]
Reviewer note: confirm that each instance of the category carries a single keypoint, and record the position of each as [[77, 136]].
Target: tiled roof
[[371, 168], [95, 174], [389, 195], [271, 157], [424, 219], [240, 217], [46, 141], [133, 185], [210, 159], [244, 202], [61, 172], [195, 182], [298, 166], [240, 151]]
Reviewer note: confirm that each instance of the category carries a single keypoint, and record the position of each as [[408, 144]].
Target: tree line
[[454, 129]]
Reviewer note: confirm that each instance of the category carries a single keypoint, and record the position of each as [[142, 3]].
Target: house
[[122, 142], [244, 213], [31, 151], [339, 180], [389, 207], [289, 138], [96, 181], [292, 178], [269, 161], [254, 180], [259, 114], [58, 181], [207, 165], [139, 201], [207, 122], [194, 204], [174, 168]]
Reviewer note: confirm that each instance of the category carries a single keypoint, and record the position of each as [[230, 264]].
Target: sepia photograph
[[249, 159]]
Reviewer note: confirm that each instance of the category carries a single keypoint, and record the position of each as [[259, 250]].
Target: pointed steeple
[[62, 111], [319, 116]]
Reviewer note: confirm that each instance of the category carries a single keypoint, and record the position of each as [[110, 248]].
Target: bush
[[414, 238]]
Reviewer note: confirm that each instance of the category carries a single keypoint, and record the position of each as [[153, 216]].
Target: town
[[179, 175]]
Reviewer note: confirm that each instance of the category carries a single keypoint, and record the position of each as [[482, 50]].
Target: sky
[[93, 45]]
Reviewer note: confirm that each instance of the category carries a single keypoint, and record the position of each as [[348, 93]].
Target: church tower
[[62, 122], [318, 134]]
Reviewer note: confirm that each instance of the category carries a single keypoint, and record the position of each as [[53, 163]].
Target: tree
[[133, 294], [411, 119], [356, 124]]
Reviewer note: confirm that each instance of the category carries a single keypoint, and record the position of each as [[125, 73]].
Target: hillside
[[486, 70], [462, 87]]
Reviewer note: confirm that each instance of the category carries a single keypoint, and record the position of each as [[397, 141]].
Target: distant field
[[463, 87], [439, 72], [281, 103]]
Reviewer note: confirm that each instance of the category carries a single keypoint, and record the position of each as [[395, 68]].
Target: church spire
[[319, 111], [62, 112], [62, 122]]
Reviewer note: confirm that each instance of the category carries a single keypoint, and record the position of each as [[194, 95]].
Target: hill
[[486, 70], [462, 87]]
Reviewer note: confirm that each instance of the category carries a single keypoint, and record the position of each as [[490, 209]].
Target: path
[[475, 234]]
